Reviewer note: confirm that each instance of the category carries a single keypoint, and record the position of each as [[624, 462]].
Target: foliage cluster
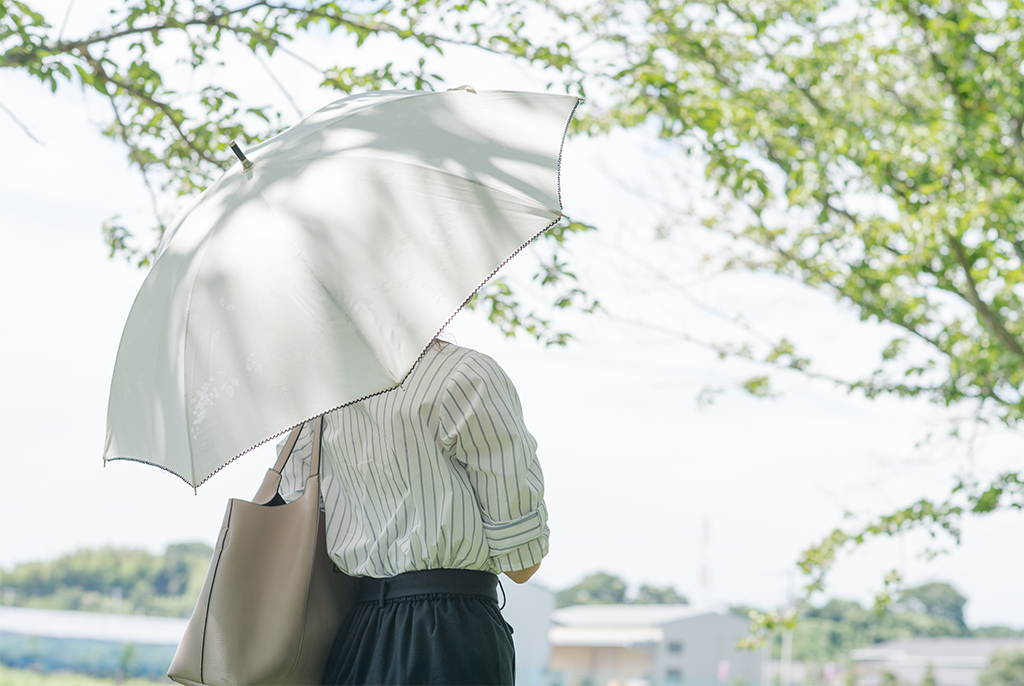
[[607, 589], [1006, 668], [827, 633], [112, 580], [873, 149]]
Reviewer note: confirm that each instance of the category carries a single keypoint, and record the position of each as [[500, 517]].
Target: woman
[[430, 491]]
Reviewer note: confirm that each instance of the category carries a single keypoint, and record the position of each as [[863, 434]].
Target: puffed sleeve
[[296, 469], [483, 429]]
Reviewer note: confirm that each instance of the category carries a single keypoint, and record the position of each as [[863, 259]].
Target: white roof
[[618, 616], [622, 637], [948, 651], [92, 625]]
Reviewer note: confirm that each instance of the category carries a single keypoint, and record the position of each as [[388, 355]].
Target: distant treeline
[[112, 580], [136, 582]]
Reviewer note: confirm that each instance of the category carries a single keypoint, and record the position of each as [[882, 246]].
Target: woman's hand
[[523, 575]]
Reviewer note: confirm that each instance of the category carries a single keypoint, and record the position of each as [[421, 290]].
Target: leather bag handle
[[286, 451], [268, 490], [318, 434], [293, 437]]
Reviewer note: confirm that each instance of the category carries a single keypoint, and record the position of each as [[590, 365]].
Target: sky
[[642, 482]]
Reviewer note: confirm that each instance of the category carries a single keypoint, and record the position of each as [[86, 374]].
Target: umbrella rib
[[513, 193], [319, 278], [188, 312], [558, 182], [371, 97]]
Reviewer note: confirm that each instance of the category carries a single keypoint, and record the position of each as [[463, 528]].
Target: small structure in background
[[528, 609], [654, 645], [948, 661]]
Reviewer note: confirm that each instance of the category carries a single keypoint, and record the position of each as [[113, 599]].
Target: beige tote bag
[[273, 599]]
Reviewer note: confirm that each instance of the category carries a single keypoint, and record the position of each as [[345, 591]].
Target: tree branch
[[20, 125], [972, 296], [166, 109], [211, 20]]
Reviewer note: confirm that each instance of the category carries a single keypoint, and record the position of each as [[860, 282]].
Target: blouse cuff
[[505, 537], [525, 556]]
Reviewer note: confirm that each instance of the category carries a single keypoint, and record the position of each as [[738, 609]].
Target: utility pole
[[787, 635], [787, 657], [705, 574]]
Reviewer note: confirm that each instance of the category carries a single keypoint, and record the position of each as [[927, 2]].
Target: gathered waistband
[[428, 582]]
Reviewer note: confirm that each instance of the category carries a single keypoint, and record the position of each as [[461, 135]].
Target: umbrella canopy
[[318, 275]]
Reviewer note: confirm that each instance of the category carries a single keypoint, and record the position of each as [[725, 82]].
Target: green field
[[25, 677]]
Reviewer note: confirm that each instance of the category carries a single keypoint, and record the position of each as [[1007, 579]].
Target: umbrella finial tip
[[246, 163]]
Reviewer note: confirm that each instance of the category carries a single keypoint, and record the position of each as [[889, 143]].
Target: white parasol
[[316, 274]]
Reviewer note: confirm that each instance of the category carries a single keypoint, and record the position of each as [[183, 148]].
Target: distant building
[[655, 645], [528, 609], [953, 661]]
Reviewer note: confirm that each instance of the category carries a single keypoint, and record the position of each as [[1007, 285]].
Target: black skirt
[[433, 627]]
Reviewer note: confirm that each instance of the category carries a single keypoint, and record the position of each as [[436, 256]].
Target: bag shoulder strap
[[293, 437], [318, 434], [286, 451]]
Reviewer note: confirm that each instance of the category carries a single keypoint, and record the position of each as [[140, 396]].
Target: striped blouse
[[440, 473]]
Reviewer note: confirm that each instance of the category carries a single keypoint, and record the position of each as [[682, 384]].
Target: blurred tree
[[176, 125], [652, 595], [873, 149], [936, 599], [596, 589], [1005, 668], [828, 632], [166, 584], [606, 589], [125, 662]]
